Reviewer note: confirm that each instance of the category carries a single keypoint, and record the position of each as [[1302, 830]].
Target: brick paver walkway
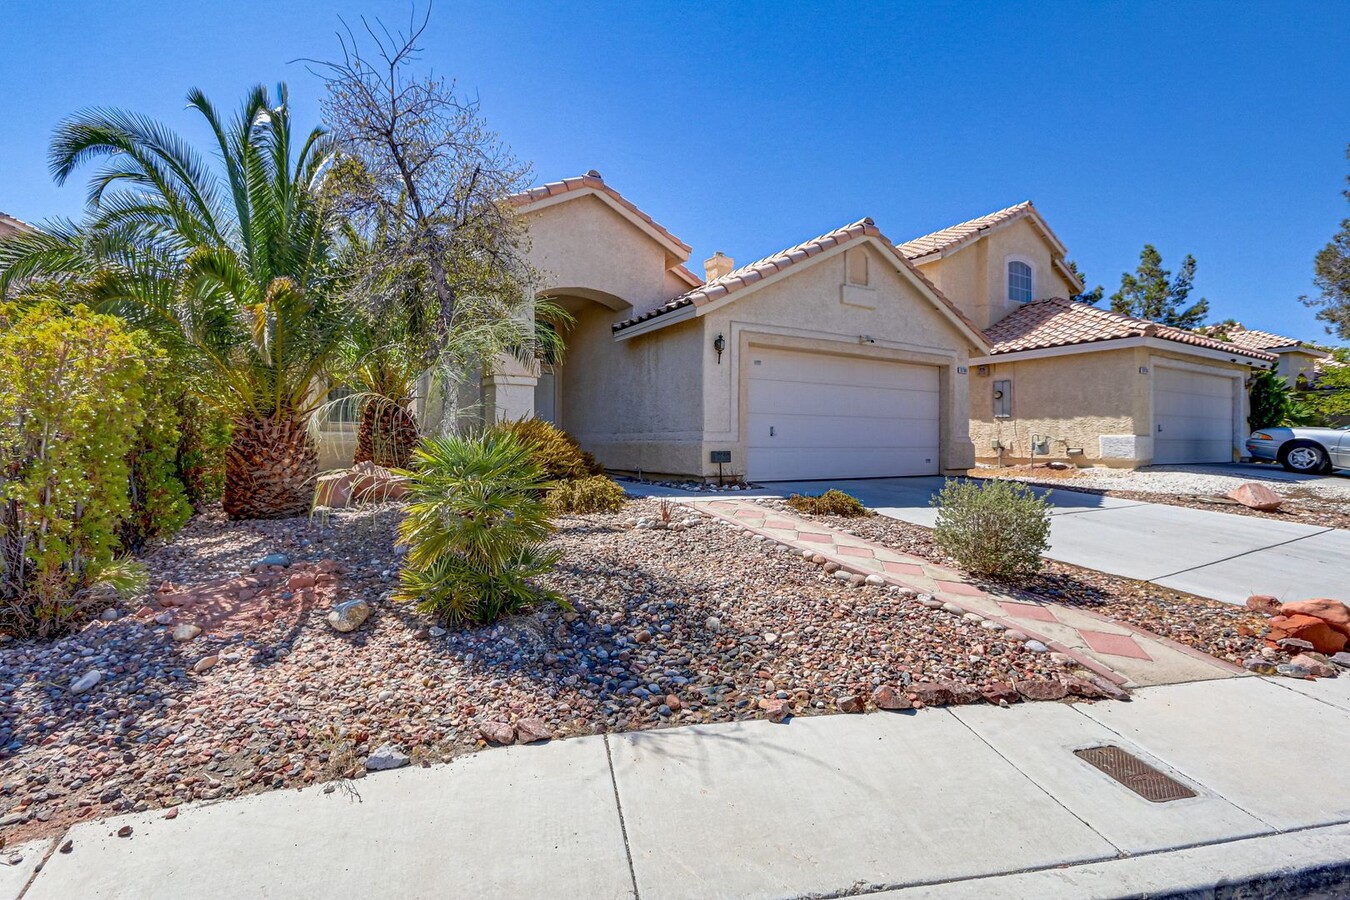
[[1125, 654]]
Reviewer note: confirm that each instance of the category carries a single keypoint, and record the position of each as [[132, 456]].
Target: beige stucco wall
[[975, 277], [635, 404], [585, 244], [1077, 399], [806, 310], [1294, 363], [1072, 400]]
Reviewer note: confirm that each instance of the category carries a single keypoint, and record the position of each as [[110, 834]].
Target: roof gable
[[957, 237], [782, 263], [1254, 339], [1057, 322], [592, 185]]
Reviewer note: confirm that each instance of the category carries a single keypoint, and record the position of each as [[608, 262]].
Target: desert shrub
[[556, 451], [996, 528], [158, 504], [474, 528], [1274, 403], [831, 503], [71, 385], [595, 494]]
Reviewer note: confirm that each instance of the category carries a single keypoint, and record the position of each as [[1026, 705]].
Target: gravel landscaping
[[1323, 501], [669, 626], [1228, 632]]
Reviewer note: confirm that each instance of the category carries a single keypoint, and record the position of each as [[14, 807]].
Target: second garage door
[[814, 415], [1192, 417]]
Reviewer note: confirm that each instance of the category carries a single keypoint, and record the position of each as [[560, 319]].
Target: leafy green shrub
[[71, 385], [831, 503], [1274, 403], [595, 494], [996, 528], [204, 436], [556, 451], [474, 529], [158, 502]]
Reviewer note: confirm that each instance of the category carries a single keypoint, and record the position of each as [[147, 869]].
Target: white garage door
[[813, 415], [1192, 417]]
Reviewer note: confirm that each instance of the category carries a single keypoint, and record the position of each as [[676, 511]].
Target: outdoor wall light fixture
[[719, 344]]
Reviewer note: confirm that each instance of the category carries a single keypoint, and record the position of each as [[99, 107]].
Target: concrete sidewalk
[[1211, 554], [963, 802]]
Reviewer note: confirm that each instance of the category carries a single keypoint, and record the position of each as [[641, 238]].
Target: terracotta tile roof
[[592, 179], [959, 234], [9, 224], [1057, 322], [1251, 338], [783, 259]]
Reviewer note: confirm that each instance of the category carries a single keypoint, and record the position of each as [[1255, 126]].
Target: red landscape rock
[[1317, 664], [850, 703], [931, 694], [1264, 604], [1256, 496], [1322, 636], [1038, 689], [530, 730], [1333, 612], [776, 710], [886, 697], [1000, 691], [497, 732]]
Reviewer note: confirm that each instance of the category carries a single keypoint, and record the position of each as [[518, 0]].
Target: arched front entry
[[564, 392]]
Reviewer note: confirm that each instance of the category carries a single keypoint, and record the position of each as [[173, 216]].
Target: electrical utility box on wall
[[1002, 399]]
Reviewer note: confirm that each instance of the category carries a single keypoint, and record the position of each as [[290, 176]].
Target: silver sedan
[[1310, 451]]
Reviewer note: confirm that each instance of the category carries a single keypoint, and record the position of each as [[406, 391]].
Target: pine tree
[[1152, 293], [1093, 296], [1331, 274]]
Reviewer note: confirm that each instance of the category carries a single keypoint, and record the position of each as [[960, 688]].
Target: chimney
[[717, 265]]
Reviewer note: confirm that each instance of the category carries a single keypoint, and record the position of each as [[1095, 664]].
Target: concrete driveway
[[1212, 554]]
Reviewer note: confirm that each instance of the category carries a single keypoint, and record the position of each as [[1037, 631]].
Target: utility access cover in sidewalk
[[1135, 774]]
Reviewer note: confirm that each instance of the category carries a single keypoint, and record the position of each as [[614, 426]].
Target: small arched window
[[1020, 289]]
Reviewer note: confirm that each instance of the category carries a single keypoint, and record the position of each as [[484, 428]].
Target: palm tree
[[232, 266]]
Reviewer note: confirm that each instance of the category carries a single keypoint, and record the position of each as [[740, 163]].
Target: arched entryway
[[565, 393]]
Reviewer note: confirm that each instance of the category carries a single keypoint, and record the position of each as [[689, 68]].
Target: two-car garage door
[[1192, 415], [814, 415]]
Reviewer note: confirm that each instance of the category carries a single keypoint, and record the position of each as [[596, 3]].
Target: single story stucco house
[[1296, 361], [1068, 381]]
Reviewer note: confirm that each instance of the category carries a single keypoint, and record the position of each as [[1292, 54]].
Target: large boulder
[[1256, 496], [1333, 612], [374, 483], [1323, 637]]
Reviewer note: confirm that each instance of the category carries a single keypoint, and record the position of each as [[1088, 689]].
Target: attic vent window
[[1019, 282], [856, 262]]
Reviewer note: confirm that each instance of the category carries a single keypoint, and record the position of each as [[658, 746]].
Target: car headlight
[[1262, 436]]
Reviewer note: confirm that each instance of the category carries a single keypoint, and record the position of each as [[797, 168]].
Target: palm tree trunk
[[270, 468], [387, 434]]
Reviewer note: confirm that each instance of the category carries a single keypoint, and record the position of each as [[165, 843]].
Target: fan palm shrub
[[230, 266], [475, 528]]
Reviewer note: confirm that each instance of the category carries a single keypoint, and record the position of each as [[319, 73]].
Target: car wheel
[[1305, 458]]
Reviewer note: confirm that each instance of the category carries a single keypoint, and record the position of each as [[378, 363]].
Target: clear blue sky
[[1214, 129]]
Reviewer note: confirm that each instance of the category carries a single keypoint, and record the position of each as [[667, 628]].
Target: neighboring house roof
[[591, 182], [1253, 339], [1057, 322], [956, 237], [745, 276], [9, 224]]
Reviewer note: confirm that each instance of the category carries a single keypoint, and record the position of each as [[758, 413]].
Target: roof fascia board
[[1151, 343], [657, 322], [897, 259]]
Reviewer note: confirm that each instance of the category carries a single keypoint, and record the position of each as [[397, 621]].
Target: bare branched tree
[[426, 184]]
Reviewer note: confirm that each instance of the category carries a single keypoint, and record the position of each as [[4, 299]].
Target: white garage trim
[[819, 415], [1165, 406]]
